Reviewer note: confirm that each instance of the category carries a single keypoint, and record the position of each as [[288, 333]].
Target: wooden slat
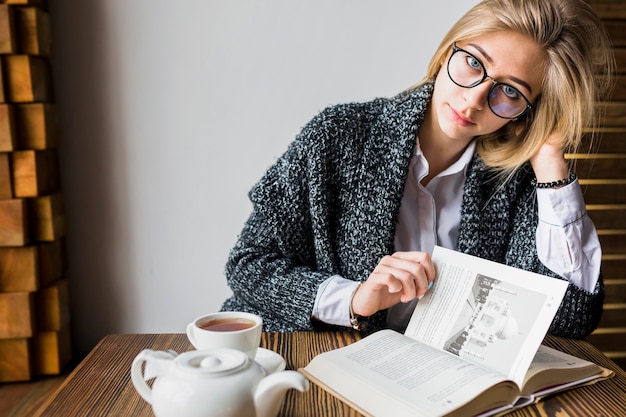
[[613, 241], [613, 316], [47, 215], [42, 4], [7, 33], [618, 90], [6, 188], [27, 79], [614, 114], [609, 9], [613, 339], [2, 95], [51, 261], [27, 268], [17, 315], [600, 166], [614, 266], [617, 31], [605, 192], [14, 225], [7, 128], [15, 360], [608, 217], [615, 291], [604, 140], [53, 309], [620, 60], [33, 31], [19, 269], [35, 173], [52, 351], [36, 126]]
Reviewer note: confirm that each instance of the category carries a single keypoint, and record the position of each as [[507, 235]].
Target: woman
[[471, 158]]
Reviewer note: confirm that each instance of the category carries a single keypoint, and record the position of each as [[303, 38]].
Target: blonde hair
[[578, 68]]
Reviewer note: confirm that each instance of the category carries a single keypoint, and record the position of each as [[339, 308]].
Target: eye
[[474, 63], [510, 92]]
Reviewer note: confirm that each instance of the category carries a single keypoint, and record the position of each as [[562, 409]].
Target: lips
[[460, 119]]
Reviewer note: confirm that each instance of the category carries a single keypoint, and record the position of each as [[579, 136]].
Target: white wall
[[169, 111]]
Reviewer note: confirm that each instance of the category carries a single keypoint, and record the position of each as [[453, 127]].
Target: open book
[[472, 347]]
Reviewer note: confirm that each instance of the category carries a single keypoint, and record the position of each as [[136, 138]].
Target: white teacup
[[227, 329]]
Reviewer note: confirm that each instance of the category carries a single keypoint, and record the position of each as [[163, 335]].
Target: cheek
[[444, 88], [492, 122]]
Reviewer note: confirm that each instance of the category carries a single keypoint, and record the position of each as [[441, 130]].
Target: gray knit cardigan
[[330, 203]]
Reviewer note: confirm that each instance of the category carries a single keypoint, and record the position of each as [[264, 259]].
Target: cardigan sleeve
[[286, 249], [580, 311], [270, 269]]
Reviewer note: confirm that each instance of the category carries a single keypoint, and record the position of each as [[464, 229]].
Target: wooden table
[[100, 385]]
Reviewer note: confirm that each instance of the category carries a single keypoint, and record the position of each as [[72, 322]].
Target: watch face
[[358, 323]]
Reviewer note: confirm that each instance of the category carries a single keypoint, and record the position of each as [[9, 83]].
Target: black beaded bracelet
[[570, 179]]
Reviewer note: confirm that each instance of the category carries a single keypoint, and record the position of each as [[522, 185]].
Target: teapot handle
[[137, 375]]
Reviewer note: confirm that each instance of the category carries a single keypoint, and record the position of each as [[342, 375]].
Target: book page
[[413, 375], [488, 313], [552, 370]]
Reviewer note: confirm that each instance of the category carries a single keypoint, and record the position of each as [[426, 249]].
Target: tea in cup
[[227, 329]]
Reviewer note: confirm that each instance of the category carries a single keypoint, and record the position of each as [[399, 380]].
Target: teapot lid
[[212, 361]]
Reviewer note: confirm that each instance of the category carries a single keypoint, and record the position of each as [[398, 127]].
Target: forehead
[[509, 57]]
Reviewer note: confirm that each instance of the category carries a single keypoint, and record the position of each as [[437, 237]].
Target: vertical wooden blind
[[603, 178]]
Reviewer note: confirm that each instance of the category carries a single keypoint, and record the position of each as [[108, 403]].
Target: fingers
[[421, 258], [400, 277], [407, 272]]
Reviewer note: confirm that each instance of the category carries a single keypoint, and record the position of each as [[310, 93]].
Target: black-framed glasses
[[505, 101]]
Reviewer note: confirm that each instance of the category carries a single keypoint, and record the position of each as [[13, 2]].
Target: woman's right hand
[[397, 278]]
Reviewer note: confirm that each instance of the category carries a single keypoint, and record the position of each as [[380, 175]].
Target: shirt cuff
[[561, 206], [332, 302]]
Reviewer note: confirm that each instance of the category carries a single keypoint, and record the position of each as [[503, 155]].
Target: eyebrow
[[511, 77]]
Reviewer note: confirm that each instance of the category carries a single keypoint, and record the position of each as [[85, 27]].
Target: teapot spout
[[270, 392]]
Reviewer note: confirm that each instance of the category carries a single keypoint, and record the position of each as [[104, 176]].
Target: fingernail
[[430, 284]]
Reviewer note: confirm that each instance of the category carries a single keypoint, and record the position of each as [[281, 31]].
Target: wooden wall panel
[[604, 186], [34, 294]]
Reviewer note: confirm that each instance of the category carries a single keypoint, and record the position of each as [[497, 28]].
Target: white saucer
[[270, 360]]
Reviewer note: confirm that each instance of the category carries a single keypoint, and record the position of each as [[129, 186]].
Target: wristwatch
[[357, 322]]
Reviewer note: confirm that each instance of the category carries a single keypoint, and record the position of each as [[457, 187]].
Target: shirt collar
[[460, 165]]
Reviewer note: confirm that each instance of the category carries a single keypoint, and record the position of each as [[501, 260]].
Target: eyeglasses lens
[[467, 71]]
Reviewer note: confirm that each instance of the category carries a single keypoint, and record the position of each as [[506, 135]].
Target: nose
[[477, 96]]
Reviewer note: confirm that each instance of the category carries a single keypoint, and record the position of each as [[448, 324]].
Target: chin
[[456, 132]]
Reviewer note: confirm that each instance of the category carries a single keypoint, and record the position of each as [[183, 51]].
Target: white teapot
[[211, 383]]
